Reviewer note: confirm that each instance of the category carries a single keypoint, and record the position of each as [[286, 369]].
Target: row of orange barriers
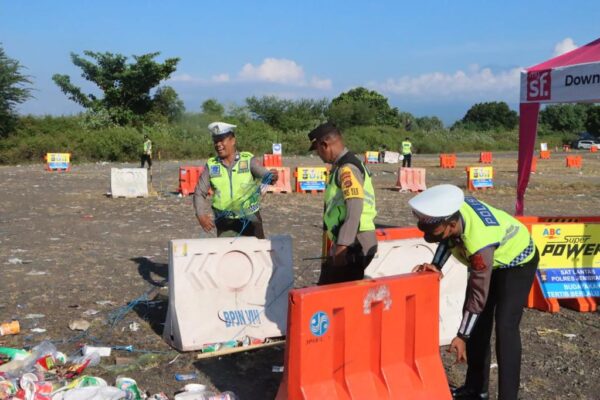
[[485, 157], [545, 154], [448, 160], [189, 175], [574, 161], [272, 160], [411, 179]]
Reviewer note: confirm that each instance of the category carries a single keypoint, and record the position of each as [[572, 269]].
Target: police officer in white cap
[[234, 178], [502, 260]]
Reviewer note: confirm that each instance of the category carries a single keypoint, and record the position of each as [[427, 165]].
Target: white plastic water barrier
[[395, 257], [129, 182], [223, 289], [391, 157]]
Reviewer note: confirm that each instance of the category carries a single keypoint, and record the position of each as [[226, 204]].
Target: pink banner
[[528, 116]]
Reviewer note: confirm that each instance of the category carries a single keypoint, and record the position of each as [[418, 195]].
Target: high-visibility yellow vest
[[148, 147], [406, 147], [486, 226], [335, 206], [235, 194]]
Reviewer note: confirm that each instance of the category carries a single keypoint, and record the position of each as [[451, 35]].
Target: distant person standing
[[147, 152], [406, 153]]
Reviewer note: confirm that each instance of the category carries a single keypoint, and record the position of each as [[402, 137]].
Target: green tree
[[287, 115], [168, 104], [429, 124], [126, 86], [592, 123], [490, 116], [14, 90], [360, 106], [213, 107], [564, 117]]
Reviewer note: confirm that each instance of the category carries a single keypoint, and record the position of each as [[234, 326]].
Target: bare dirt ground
[[81, 251]]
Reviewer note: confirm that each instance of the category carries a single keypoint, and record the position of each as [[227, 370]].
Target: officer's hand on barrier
[[339, 255], [428, 268], [274, 176], [458, 346], [206, 222]]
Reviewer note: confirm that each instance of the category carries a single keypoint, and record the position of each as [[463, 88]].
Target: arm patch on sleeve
[[478, 262], [351, 187]]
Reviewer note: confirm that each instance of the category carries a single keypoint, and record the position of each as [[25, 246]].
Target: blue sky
[[428, 58]]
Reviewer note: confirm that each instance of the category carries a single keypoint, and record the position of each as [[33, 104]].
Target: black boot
[[466, 393]]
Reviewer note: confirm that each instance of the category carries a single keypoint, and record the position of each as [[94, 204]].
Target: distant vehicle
[[585, 144]]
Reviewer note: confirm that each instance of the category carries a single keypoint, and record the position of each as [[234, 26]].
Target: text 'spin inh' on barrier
[[370, 339]]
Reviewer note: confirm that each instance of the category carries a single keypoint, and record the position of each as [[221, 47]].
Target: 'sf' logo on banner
[[538, 85]]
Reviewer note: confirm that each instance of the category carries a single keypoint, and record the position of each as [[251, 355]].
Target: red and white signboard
[[561, 85]]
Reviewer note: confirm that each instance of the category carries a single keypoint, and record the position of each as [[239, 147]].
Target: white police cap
[[220, 128], [437, 203]]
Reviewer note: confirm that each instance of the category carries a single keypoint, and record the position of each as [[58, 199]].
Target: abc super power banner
[[312, 178], [569, 259]]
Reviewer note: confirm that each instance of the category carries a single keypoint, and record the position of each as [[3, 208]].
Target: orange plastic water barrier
[[574, 161], [188, 178], [593, 149], [272, 160], [284, 182], [411, 179], [485, 157], [545, 154], [371, 339], [448, 160], [536, 297]]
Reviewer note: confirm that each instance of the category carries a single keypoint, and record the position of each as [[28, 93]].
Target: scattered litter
[[105, 303], [547, 331], [175, 359], [102, 351], [34, 316], [493, 365], [79, 325], [569, 335], [134, 327], [38, 330], [90, 312], [15, 260], [185, 377], [37, 273], [277, 368]]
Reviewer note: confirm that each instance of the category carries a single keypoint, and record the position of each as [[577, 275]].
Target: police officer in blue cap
[[502, 260]]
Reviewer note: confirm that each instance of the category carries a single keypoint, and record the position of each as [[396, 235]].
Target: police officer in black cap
[[349, 212]]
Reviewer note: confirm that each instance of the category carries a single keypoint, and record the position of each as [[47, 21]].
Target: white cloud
[[476, 82], [323, 84], [281, 71], [274, 70], [564, 46], [185, 78], [220, 78], [278, 71]]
